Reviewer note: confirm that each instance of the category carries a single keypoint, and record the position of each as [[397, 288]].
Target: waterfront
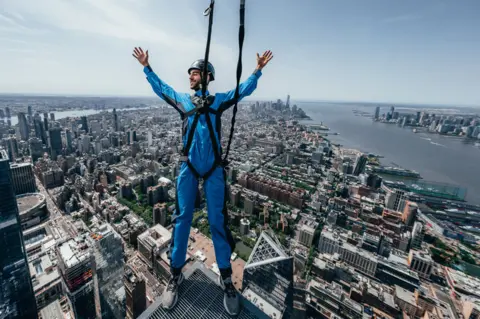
[[76, 113], [437, 158]]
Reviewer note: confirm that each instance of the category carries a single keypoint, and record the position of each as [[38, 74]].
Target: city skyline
[[319, 228], [409, 52]]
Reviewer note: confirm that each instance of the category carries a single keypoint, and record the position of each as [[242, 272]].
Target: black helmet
[[198, 65]]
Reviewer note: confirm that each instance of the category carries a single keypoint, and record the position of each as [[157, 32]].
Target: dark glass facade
[[16, 292]]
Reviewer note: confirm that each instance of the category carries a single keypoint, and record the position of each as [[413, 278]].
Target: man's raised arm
[[246, 88], [162, 89]]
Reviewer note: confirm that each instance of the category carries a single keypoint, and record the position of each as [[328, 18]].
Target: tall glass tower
[[16, 292]]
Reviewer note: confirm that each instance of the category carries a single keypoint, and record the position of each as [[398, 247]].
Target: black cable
[[241, 37], [207, 50]]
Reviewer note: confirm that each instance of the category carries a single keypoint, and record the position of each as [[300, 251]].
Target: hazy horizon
[[393, 52]]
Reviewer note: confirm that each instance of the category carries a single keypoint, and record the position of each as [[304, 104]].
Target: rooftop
[[405, 295], [74, 251], [28, 201], [43, 273], [156, 236], [269, 309]]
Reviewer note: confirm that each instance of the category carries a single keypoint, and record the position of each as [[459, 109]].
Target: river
[[75, 113], [437, 158]]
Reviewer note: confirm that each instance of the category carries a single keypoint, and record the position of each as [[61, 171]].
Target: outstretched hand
[[141, 56], [263, 60]]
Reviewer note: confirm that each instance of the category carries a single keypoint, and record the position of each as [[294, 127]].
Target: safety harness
[[203, 103]]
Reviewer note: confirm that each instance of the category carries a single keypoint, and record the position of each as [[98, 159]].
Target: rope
[[241, 36]]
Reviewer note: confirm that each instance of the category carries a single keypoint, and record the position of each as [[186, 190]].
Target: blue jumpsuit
[[202, 157]]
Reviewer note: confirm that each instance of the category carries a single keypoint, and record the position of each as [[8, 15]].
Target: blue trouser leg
[[217, 217], [187, 186]]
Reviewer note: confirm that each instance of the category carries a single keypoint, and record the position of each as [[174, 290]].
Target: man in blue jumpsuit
[[201, 160]]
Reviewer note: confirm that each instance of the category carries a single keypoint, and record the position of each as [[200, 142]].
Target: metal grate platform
[[199, 297]]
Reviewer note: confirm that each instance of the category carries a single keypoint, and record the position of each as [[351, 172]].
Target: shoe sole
[[176, 296], [220, 283]]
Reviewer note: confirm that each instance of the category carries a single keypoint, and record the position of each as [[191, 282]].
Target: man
[[201, 160]]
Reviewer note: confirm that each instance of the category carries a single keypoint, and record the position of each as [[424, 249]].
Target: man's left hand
[[263, 60]]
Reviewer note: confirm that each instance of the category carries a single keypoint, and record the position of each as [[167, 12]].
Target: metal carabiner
[[209, 9]]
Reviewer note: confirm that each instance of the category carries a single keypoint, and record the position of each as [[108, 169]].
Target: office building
[[244, 226], [68, 138], [109, 271], [152, 242], [55, 142], [7, 112], [83, 119], [377, 112], [160, 214], [393, 198], [45, 121], [23, 126], [360, 164], [52, 116], [306, 235], [268, 277], [115, 120], [135, 293], [11, 145], [418, 233], [76, 264], [17, 299], [36, 148], [46, 279], [330, 301], [23, 178], [421, 262], [362, 260]]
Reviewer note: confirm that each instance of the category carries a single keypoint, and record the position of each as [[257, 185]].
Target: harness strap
[[241, 37], [209, 11]]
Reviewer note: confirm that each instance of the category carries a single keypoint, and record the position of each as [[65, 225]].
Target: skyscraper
[[84, 123], [76, 262], [109, 269], [377, 112], [23, 126], [30, 114], [115, 120], [36, 148], [7, 112], [135, 293], [268, 277], [55, 142], [45, 121], [288, 101], [39, 128], [16, 292], [360, 164], [68, 137], [23, 179], [11, 145]]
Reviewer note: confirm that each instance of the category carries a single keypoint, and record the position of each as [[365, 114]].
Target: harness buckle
[[183, 158]]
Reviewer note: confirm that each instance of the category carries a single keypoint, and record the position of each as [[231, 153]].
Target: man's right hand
[[141, 56]]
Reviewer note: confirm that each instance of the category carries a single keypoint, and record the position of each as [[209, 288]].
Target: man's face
[[196, 79]]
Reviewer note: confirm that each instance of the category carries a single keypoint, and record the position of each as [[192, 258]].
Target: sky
[[405, 51]]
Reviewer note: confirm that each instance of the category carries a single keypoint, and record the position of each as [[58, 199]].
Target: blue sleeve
[[246, 88], [161, 88]]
